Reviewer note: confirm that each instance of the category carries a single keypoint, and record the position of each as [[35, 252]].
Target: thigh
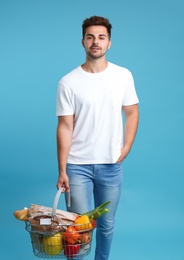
[[108, 186], [81, 187]]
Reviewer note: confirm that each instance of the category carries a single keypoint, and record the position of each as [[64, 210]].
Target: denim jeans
[[101, 183]]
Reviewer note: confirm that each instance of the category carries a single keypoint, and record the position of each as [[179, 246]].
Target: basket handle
[[56, 199]]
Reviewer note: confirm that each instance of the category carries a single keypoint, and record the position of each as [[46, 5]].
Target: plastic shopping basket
[[55, 240]]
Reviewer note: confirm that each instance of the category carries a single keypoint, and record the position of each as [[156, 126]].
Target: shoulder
[[119, 70], [70, 76]]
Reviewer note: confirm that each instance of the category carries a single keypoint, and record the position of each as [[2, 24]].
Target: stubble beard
[[95, 56]]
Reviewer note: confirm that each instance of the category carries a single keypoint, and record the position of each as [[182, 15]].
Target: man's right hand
[[63, 181]]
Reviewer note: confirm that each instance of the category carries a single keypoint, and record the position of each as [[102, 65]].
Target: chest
[[99, 92]]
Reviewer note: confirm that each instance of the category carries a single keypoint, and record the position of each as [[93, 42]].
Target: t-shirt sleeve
[[130, 97], [64, 102]]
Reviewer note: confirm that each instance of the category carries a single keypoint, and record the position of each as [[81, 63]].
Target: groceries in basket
[[57, 233]]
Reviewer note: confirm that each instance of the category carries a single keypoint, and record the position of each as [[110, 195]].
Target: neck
[[94, 66]]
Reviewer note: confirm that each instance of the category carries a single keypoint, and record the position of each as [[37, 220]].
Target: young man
[[92, 142]]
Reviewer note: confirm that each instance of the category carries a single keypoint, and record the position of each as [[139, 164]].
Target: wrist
[[126, 148], [62, 171]]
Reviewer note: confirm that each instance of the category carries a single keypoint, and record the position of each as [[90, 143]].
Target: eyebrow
[[89, 34]]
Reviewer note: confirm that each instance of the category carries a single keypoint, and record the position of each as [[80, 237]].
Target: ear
[[109, 44], [82, 42]]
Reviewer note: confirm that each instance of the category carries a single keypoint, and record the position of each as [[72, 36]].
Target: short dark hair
[[96, 20]]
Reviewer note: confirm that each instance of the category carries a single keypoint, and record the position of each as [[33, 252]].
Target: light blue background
[[40, 41]]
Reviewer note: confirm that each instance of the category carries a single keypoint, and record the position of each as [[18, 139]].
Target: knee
[[106, 225]]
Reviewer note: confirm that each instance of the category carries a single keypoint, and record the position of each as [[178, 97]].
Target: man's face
[[96, 41]]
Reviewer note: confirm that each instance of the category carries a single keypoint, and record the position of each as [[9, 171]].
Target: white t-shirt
[[96, 100]]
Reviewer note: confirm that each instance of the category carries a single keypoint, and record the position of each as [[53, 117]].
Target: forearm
[[130, 129], [64, 140]]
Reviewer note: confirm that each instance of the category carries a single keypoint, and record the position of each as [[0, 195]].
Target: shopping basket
[[52, 239]]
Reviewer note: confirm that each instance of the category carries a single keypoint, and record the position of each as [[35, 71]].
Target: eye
[[89, 37]]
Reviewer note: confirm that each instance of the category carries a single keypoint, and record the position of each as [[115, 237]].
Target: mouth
[[95, 48]]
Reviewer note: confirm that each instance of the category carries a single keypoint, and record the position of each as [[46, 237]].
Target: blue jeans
[[101, 182]]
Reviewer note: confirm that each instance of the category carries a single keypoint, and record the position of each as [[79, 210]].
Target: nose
[[95, 41]]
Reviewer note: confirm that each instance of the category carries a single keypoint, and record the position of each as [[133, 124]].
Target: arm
[[131, 124], [64, 141]]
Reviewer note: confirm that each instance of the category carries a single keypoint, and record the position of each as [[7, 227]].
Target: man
[[91, 141]]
